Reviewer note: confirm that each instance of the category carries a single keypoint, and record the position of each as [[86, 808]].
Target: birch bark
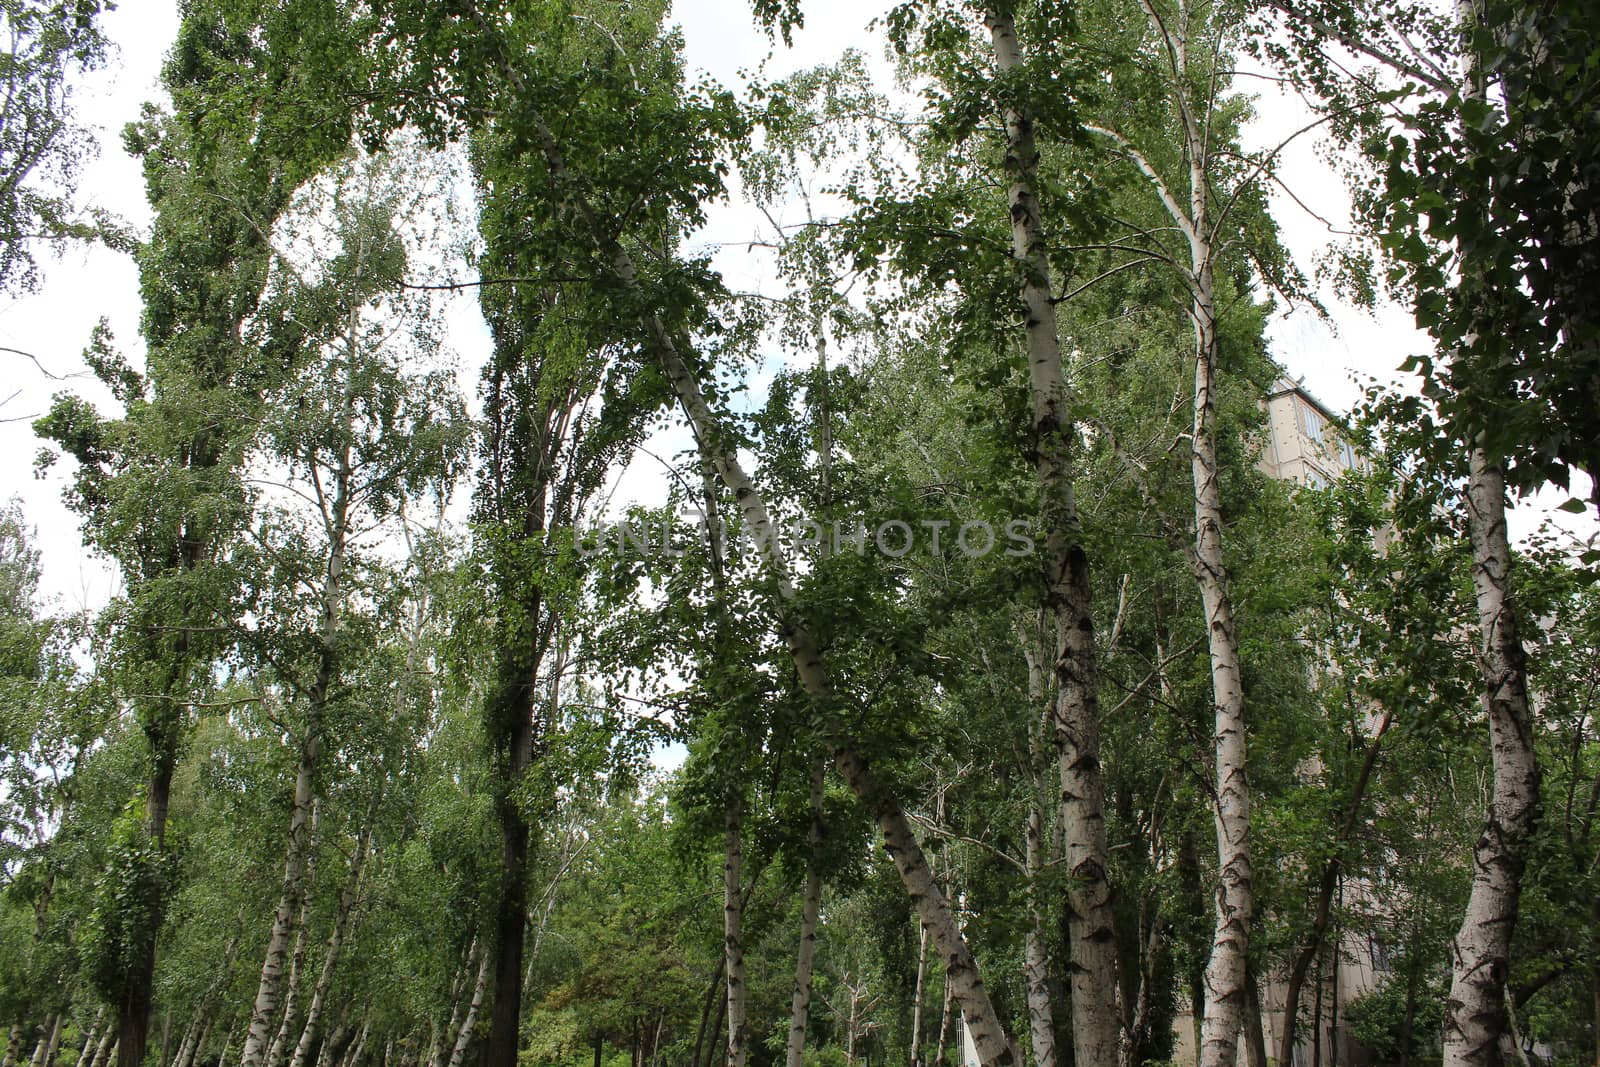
[[732, 930], [342, 921], [1035, 956], [1476, 1018], [49, 1037], [278, 1049], [336, 521], [1068, 596], [458, 1054], [805, 956]]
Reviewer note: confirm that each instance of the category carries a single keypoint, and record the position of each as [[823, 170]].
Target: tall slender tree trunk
[[458, 1054], [512, 912], [705, 1010], [458, 1003], [360, 1045], [1235, 891], [91, 1037], [342, 921], [1036, 960], [716, 1031], [49, 1038], [732, 928], [919, 994], [103, 1052], [900, 841], [1035, 953], [191, 1034], [297, 851], [1255, 1038], [163, 729], [1480, 955], [199, 1045], [1300, 961], [265, 1008], [947, 1025], [806, 954], [279, 1049], [1068, 596]]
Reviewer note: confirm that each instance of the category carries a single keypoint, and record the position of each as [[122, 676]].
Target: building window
[[1314, 478], [1381, 953], [1347, 453], [1311, 423]]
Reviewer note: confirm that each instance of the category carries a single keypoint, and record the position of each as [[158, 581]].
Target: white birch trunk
[[1476, 1017], [91, 1038], [1036, 962], [458, 1054], [360, 1045], [191, 1034], [107, 1046], [1068, 597], [330, 957], [921, 990], [458, 990], [1235, 890], [732, 931], [49, 1038], [1035, 953], [1224, 979], [278, 1050], [805, 956], [265, 1008], [199, 1045]]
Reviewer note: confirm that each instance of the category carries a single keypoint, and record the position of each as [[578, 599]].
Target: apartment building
[[1303, 443]]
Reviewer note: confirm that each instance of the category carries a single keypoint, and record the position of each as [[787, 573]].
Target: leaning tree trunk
[[458, 990], [721, 454], [458, 1054], [265, 1009], [91, 1037], [1068, 597], [49, 1037], [1475, 1020], [732, 931], [342, 921], [1300, 961], [278, 1050], [900, 841], [103, 1051], [805, 956]]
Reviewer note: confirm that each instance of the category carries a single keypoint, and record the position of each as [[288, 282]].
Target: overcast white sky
[[79, 288]]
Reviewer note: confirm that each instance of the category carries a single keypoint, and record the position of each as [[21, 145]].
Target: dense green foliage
[[355, 774]]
